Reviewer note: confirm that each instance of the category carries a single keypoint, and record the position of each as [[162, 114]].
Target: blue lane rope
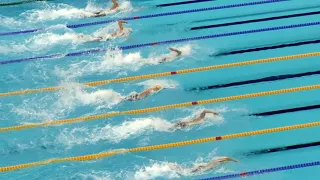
[[166, 42], [263, 171], [150, 16]]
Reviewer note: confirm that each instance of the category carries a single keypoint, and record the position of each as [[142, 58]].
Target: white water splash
[[9, 22], [115, 61], [74, 94], [59, 35], [63, 11], [165, 83], [55, 11], [173, 170], [41, 109], [9, 48], [50, 39], [56, 107], [157, 170], [93, 175], [42, 42], [113, 134]]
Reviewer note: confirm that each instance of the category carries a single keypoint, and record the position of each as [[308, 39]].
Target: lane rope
[[158, 147], [73, 26], [163, 74], [158, 108], [99, 50], [264, 171]]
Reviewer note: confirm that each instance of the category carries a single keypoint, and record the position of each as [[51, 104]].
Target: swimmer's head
[[182, 124], [157, 88]]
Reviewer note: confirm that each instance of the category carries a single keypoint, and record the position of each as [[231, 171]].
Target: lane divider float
[[264, 171], [157, 108], [158, 147], [163, 74]]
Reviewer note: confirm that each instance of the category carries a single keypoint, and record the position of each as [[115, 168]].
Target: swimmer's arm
[[176, 50], [120, 24], [212, 112], [147, 92], [221, 160], [212, 164], [218, 161], [194, 121], [229, 159], [115, 5], [201, 117]]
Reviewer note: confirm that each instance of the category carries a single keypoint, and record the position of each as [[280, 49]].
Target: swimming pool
[[129, 131]]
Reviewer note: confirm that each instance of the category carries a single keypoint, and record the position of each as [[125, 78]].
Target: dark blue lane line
[[283, 111], [266, 48], [183, 2], [255, 20], [255, 14], [283, 148], [254, 81]]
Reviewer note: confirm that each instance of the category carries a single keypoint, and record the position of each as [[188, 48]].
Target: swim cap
[[158, 87]]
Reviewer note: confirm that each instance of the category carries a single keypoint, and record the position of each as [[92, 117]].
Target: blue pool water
[[31, 145]]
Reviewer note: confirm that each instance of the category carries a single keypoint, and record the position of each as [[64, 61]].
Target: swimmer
[[171, 56], [196, 120], [138, 96], [203, 167], [105, 12], [121, 32], [210, 165]]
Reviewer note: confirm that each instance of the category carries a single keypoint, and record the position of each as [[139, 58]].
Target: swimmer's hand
[[123, 21]]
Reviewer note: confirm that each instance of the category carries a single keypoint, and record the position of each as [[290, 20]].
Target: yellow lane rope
[[184, 71], [160, 146], [158, 108]]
